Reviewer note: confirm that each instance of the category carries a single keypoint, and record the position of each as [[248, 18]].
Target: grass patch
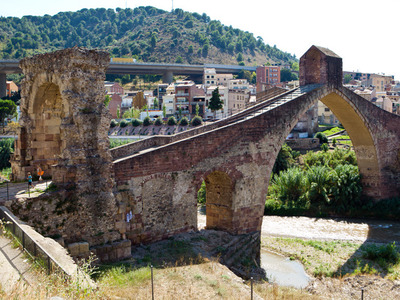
[[332, 131], [119, 142]]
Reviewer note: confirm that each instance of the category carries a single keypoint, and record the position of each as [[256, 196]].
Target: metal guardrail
[[29, 245]]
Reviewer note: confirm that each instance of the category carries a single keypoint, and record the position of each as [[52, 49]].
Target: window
[[327, 109]]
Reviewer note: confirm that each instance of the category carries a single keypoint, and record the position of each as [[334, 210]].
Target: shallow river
[[326, 229], [285, 272]]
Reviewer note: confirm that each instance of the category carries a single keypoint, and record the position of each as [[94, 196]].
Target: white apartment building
[[223, 91], [169, 100]]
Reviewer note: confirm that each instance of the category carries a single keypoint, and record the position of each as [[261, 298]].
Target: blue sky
[[364, 33]]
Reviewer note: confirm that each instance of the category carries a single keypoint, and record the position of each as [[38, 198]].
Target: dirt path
[[15, 267]]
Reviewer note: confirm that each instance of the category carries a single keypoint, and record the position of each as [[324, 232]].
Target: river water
[[283, 271]]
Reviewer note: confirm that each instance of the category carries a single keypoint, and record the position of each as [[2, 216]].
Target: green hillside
[[145, 33]]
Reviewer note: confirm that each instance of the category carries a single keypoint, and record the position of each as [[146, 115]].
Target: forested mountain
[[145, 33]]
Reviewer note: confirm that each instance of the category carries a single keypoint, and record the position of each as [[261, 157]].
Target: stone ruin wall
[[64, 125]]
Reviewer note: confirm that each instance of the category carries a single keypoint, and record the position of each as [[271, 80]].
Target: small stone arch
[[219, 204]]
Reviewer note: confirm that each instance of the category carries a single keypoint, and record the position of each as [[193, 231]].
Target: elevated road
[[10, 66]]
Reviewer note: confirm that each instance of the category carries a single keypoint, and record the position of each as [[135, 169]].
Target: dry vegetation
[[183, 271]]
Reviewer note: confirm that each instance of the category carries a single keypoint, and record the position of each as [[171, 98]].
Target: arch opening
[[46, 112], [358, 131], [219, 204], [361, 138]]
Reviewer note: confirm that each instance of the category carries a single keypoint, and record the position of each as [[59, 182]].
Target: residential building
[[114, 105], [185, 91], [113, 88], [161, 91], [393, 95], [238, 84], [223, 79], [384, 103], [223, 91], [116, 92], [169, 100], [209, 77], [267, 77], [367, 93], [11, 88], [381, 82], [325, 115], [237, 100]]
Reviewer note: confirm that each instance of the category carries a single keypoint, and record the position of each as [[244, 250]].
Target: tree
[[6, 148], [7, 108], [180, 111], [205, 49], [118, 112], [179, 60], [287, 75], [107, 100], [132, 113], [197, 109], [347, 78], [322, 137], [164, 111], [139, 101], [215, 101], [155, 103]]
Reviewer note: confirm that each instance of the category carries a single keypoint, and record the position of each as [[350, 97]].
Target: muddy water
[[283, 271]]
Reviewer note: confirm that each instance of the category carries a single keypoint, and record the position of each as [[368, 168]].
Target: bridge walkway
[[259, 108]]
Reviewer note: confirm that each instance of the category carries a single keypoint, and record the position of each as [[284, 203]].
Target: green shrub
[[147, 121], [196, 121], [319, 180], [322, 137], [159, 121], [6, 148], [290, 187], [136, 122], [171, 121], [123, 123], [184, 121], [384, 254], [346, 189], [201, 194], [324, 147], [113, 123], [284, 159], [118, 142]]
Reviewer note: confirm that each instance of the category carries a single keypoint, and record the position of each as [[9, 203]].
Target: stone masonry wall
[[63, 105], [246, 151]]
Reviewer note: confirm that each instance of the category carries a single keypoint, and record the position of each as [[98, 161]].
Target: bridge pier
[[168, 77], [3, 85]]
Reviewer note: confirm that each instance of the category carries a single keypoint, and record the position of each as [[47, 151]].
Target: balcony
[[182, 102], [182, 94]]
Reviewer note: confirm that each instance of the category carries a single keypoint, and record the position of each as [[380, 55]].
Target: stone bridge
[[156, 180], [159, 185]]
